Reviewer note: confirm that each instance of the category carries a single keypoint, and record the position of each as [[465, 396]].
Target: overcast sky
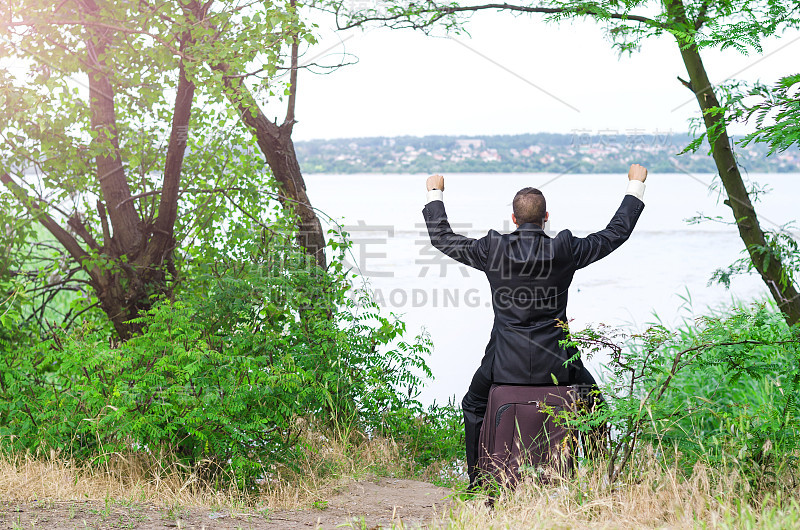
[[512, 75]]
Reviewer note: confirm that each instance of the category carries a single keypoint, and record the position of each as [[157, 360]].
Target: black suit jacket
[[529, 274]]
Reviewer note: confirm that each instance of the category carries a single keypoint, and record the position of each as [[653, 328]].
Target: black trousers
[[474, 407]]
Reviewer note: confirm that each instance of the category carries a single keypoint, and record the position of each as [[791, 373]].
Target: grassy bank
[[653, 495], [658, 497], [235, 400], [138, 478]]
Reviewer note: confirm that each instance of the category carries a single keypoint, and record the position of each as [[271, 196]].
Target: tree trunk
[[110, 172], [275, 142], [120, 296], [772, 271], [140, 251]]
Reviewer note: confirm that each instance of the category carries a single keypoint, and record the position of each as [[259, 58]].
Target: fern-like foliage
[[227, 375], [721, 391]]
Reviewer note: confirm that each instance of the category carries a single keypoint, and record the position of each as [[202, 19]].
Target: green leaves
[[49, 125], [776, 111], [12, 298], [719, 391], [257, 338]]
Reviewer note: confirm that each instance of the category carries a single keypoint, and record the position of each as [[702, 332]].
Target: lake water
[[661, 272]]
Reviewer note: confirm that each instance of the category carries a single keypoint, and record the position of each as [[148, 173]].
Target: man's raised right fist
[[435, 182], [637, 172]]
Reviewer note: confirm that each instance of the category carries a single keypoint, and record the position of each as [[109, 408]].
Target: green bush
[[223, 373], [736, 402], [720, 391]]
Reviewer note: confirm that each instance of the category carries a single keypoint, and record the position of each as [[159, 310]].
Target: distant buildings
[[544, 152], [467, 145]]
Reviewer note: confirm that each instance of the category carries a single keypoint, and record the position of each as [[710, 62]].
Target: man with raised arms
[[529, 275]]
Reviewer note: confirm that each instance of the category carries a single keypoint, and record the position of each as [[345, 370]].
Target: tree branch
[[110, 172], [275, 141], [701, 15], [289, 121], [179, 136], [71, 320], [442, 11], [67, 241], [79, 228], [686, 83]]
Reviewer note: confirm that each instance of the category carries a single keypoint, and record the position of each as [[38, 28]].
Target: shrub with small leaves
[[722, 391], [221, 375]]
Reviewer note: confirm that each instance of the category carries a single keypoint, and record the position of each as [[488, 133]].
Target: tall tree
[[693, 25], [96, 134]]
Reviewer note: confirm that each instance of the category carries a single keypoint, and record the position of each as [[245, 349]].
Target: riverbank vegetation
[[269, 383], [175, 330], [265, 382]]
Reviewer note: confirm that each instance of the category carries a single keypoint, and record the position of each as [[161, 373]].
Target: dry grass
[[137, 478], [653, 497], [132, 478]]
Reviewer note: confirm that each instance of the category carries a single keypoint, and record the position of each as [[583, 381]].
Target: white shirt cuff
[[434, 195], [636, 188]]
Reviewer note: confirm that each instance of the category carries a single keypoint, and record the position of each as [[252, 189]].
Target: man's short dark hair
[[529, 206]]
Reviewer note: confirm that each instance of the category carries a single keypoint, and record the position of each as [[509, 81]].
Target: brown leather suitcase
[[520, 435]]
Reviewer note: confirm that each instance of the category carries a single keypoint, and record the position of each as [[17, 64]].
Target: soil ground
[[370, 504]]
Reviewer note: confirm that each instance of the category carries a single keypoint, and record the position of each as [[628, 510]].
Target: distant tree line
[[577, 152]]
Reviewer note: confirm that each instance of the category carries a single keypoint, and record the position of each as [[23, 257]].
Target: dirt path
[[365, 504]]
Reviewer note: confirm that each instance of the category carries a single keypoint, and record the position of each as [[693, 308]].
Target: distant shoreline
[[578, 153]]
